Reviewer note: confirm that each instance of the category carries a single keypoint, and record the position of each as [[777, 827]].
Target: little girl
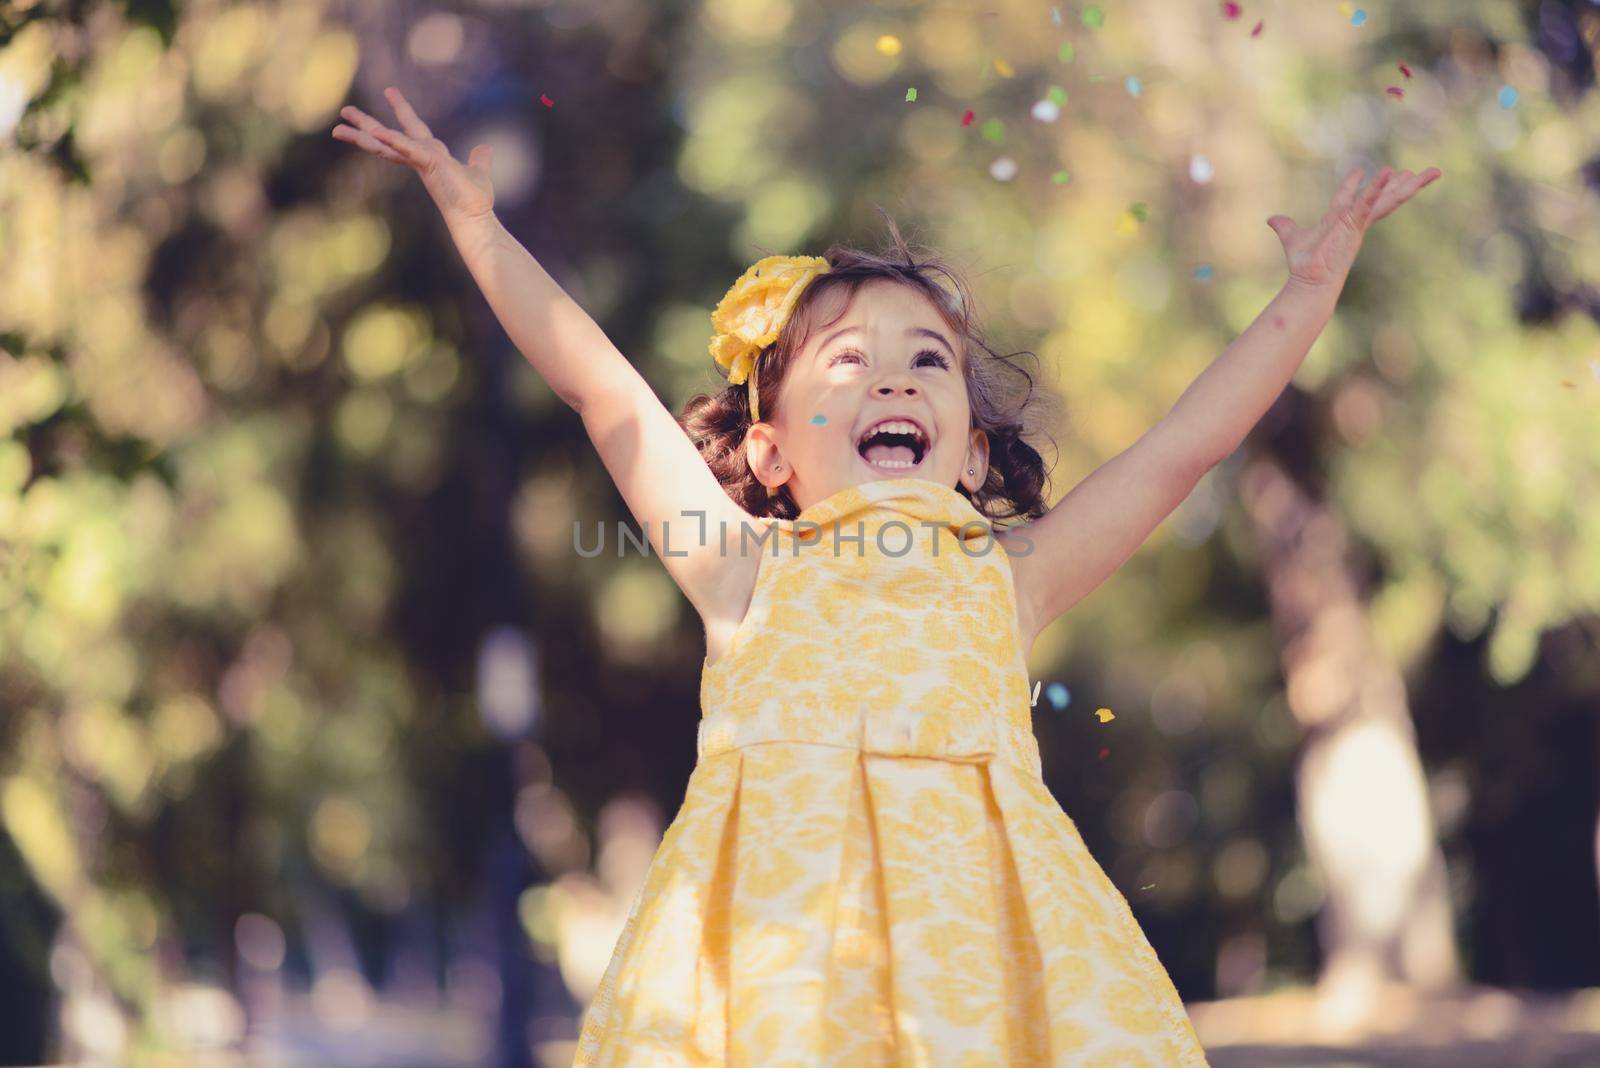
[[867, 868]]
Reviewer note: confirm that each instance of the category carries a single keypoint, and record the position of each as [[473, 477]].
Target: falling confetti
[[1395, 91], [1104, 753], [1003, 169], [1003, 68], [1055, 15], [546, 101], [1061, 177], [1093, 18], [1105, 714], [993, 130], [1230, 10], [1058, 696], [1200, 169], [1257, 31], [1358, 18], [911, 94], [966, 120], [819, 419], [1138, 210], [1064, 53], [1203, 272], [1347, 10], [1508, 96], [1035, 698], [888, 45], [1405, 70], [1046, 111], [1152, 886], [1056, 95], [1134, 88]]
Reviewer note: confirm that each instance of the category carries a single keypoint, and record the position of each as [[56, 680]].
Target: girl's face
[[889, 357]]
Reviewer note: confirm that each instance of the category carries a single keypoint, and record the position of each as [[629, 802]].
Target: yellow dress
[[867, 868]]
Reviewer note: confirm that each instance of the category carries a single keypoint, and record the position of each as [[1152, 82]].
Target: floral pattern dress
[[867, 868]]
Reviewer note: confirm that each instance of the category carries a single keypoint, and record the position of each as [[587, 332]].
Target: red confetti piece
[[1395, 91], [966, 120], [1405, 70], [546, 101], [1230, 10], [1104, 753], [1257, 31]]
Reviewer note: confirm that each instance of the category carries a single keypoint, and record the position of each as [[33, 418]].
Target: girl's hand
[[1322, 254], [462, 192]]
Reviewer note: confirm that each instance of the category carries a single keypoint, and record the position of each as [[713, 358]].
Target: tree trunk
[[1362, 798]]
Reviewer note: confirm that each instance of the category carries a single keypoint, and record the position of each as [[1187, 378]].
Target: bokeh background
[[320, 745]]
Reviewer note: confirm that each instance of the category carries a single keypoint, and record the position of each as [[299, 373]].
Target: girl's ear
[[766, 462], [977, 462]]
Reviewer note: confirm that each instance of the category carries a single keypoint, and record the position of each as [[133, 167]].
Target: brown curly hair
[[1007, 409]]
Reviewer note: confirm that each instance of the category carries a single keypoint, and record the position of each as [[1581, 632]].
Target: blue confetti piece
[[819, 419], [1057, 695], [1055, 15], [1203, 272], [1358, 18], [1134, 88], [1508, 96]]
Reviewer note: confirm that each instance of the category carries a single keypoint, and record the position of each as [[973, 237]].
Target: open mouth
[[893, 444]]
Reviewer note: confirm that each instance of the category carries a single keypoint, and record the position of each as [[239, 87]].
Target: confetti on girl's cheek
[[966, 120], [1395, 91], [1138, 211], [1358, 18], [888, 45], [1105, 714], [1230, 10], [819, 419], [1257, 31], [1093, 18], [1508, 97], [1134, 88], [911, 95], [1003, 169], [1405, 70], [1203, 272], [546, 101]]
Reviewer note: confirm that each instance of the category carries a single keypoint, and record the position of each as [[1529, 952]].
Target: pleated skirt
[[814, 904]]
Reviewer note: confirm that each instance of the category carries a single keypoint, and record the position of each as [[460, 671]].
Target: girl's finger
[[366, 143], [1361, 214], [408, 117], [399, 142], [1346, 191]]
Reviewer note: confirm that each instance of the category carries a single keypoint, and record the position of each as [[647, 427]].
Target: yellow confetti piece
[[1347, 10], [1105, 714], [1003, 67], [888, 45]]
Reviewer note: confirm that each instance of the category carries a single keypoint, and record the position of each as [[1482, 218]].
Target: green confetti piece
[[1061, 177], [1057, 95], [1097, 77], [911, 94], [994, 130], [1093, 18], [1065, 52], [1139, 211]]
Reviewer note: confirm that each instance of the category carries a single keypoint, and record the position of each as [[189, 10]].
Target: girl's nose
[[888, 390]]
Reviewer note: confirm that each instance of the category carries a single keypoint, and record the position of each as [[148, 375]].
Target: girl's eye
[[938, 356]]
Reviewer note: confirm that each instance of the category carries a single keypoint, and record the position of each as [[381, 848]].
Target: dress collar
[[916, 500]]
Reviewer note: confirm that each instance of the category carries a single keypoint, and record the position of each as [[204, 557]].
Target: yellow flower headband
[[752, 313]]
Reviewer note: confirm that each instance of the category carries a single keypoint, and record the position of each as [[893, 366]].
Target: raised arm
[[1091, 531], [668, 487]]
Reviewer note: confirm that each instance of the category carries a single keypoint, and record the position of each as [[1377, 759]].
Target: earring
[[970, 471]]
